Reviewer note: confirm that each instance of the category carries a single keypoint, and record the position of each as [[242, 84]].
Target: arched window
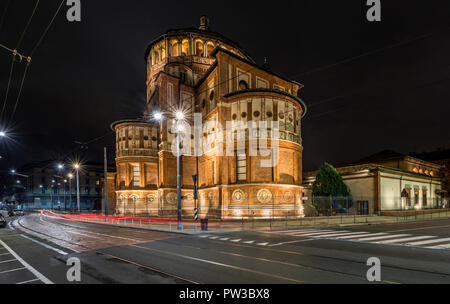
[[174, 48], [243, 85], [185, 47], [199, 48], [209, 49]]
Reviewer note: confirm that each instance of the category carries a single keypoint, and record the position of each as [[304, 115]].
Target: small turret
[[204, 23]]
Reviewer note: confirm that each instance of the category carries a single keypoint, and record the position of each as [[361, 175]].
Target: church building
[[197, 71]]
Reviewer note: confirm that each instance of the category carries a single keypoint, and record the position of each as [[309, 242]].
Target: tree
[[329, 190]]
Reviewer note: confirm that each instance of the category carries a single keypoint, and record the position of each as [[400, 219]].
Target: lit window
[[136, 181], [241, 166]]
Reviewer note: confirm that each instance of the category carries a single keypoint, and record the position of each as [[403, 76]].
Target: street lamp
[[70, 176], [179, 115], [77, 167], [2, 134]]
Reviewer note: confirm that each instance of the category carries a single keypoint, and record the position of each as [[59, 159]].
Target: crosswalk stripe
[[382, 237], [440, 246], [307, 232], [213, 237], [360, 236], [262, 244], [249, 242], [224, 239], [427, 242], [204, 236], [293, 231], [318, 233], [339, 234], [236, 240], [407, 239]]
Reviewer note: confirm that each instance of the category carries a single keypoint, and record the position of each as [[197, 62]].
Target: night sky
[[392, 93]]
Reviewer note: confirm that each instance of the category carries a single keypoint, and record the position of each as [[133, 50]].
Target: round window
[[153, 138], [281, 116], [269, 114], [234, 116], [244, 115], [256, 114], [145, 137]]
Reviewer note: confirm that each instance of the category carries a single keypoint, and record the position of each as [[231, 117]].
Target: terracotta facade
[[196, 70]]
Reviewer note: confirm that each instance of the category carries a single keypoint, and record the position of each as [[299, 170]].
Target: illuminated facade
[[196, 70]]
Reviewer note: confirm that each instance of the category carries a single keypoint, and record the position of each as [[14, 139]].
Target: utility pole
[[105, 201]]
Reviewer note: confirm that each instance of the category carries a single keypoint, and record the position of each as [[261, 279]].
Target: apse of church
[[200, 72]]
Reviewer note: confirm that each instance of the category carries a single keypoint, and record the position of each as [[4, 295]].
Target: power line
[[28, 24], [46, 29], [20, 89], [3, 15], [406, 41]]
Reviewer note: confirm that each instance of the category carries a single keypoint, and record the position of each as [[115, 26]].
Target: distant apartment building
[[50, 187]]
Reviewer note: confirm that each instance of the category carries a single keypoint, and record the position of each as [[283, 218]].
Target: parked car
[[2, 221], [18, 212], [4, 212]]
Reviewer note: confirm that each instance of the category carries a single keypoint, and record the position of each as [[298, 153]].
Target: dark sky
[[394, 94]]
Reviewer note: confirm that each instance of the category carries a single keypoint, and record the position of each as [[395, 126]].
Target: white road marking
[[292, 231], [213, 237], [262, 244], [406, 239], [339, 234], [356, 237], [382, 237], [249, 242], [45, 245], [440, 246], [12, 270], [317, 233], [298, 241], [4, 253], [8, 261], [204, 236], [309, 232], [29, 281], [39, 275], [429, 242], [224, 239], [10, 226], [236, 240]]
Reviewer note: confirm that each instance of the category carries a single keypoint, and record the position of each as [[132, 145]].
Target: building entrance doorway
[[362, 207]]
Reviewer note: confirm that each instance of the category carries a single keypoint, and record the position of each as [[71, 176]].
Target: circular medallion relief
[[151, 198], [189, 197], [287, 196], [171, 197], [238, 196], [264, 196]]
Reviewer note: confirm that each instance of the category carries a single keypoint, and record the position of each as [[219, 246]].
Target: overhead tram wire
[[2, 19], [32, 53], [46, 29]]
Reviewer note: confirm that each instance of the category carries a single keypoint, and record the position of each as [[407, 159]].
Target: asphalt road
[[409, 253]]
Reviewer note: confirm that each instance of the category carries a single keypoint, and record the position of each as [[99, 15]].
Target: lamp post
[[77, 167], [70, 176], [179, 116]]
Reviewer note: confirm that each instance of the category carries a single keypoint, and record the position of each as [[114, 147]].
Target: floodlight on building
[[179, 115], [158, 116]]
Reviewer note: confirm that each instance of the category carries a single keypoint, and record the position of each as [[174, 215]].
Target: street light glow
[[180, 115], [60, 166], [70, 175], [13, 171], [2, 134], [180, 128], [158, 116], [76, 166]]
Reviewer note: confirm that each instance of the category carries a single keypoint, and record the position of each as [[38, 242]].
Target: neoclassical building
[[196, 70]]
